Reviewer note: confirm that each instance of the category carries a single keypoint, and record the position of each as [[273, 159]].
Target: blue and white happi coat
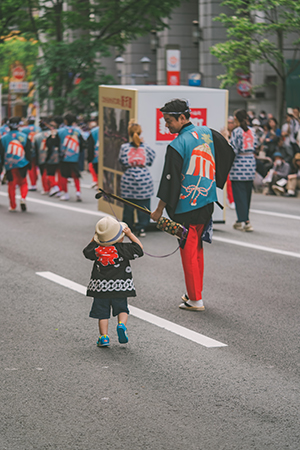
[[136, 182], [244, 144]]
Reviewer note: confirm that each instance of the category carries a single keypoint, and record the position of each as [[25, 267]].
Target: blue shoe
[[103, 341], [122, 333]]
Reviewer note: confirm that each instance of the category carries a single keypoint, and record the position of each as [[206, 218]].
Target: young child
[[111, 279]]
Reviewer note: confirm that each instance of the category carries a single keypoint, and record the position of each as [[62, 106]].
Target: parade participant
[[136, 182], [93, 151], [71, 144], [242, 173], [196, 163], [111, 279], [53, 171], [4, 129], [15, 152], [40, 147], [31, 130]]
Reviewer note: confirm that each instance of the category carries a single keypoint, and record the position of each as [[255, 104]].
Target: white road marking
[[257, 247], [61, 206], [275, 214], [215, 238], [143, 315]]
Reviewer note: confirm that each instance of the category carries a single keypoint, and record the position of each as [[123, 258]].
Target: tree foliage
[[257, 31], [73, 37], [14, 19], [19, 49]]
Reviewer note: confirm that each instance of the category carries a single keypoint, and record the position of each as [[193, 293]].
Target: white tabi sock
[[195, 303]]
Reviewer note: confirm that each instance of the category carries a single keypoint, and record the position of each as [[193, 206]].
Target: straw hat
[[109, 231]]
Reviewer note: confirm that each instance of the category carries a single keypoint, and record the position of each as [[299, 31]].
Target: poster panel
[[173, 67], [116, 108]]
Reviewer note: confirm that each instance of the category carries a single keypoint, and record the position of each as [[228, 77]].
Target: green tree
[[257, 32], [74, 35], [17, 49], [14, 19]]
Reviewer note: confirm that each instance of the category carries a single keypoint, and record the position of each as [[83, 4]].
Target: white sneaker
[[78, 197], [32, 188], [54, 190], [248, 227], [59, 194], [238, 226], [94, 185], [65, 197]]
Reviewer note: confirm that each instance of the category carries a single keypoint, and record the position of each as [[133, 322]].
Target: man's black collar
[[186, 125]]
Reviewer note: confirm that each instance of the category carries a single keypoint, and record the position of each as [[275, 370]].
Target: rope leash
[[148, 254]]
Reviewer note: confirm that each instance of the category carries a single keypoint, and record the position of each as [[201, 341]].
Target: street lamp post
[[145, 61]]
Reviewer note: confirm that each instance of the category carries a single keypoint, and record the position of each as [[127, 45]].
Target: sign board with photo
[[116, 108], [119, 104]]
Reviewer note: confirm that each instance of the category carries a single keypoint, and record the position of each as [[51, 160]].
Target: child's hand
[[127, 231]]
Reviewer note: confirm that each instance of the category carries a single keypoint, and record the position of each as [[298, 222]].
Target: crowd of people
[[55, 150], [276, 152]]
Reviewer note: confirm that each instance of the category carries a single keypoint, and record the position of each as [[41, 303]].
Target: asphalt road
[[162, 390]]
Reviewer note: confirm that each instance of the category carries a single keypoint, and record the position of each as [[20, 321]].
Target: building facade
[[197, 59]]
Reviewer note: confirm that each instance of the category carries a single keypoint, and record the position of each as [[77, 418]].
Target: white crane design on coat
[[203, 165]]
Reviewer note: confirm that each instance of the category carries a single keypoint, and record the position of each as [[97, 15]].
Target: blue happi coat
[[198, 184], [95, 136], [14, 144], [69, 143]]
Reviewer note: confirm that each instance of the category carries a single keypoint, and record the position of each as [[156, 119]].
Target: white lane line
[[257, 247], [61, 206], [143, 315], [215, 238], [274, 214]]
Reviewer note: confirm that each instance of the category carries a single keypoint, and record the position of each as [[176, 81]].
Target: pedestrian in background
[[242, 173], [40, 149], [15, 154], [31, 130], [226, 132], [71, 145], [111, 279], [93, 151], [53, 169], [136, 182], [293, 183]]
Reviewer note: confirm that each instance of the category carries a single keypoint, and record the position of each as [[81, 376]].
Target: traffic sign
[[18, 73], [19, 87]]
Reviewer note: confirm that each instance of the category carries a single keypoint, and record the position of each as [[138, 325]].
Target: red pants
[[53, 182], [17, 180], [229, 191], [45, 180], [93, 173], [33, 175], [64, 183], [193, 262]]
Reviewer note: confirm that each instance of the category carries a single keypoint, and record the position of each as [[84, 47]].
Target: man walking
[[197, 161]]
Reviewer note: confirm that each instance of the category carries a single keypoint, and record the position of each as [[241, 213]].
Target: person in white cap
[[111, 279]]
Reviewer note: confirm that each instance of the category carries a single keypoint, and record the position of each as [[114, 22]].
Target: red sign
[[173, 67], [18, 73], [173, 78], [198, 118], [244, 86]]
